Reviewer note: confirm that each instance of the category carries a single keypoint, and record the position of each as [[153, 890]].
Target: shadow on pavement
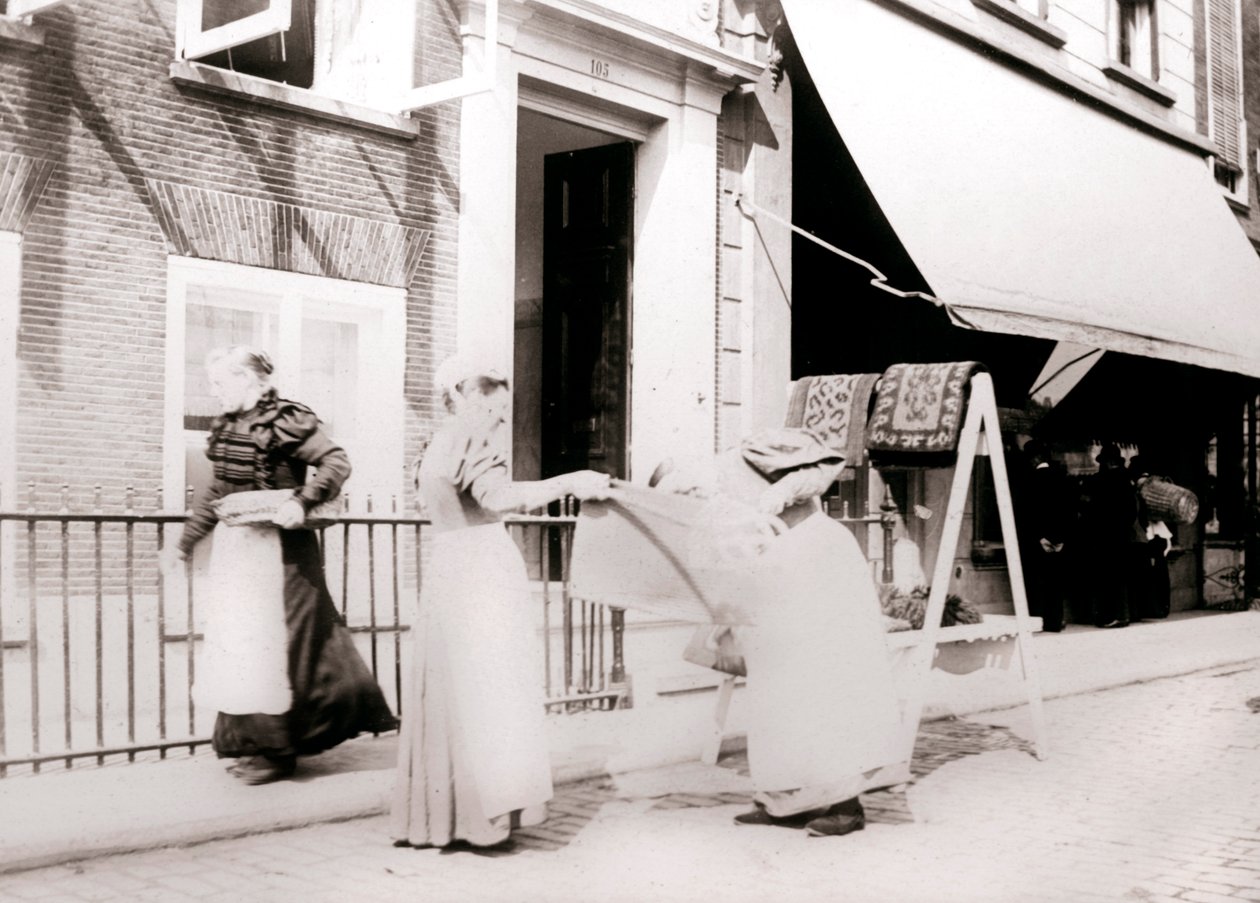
[[575, 806]]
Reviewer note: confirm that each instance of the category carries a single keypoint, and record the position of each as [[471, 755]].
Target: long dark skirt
[[335, 696]]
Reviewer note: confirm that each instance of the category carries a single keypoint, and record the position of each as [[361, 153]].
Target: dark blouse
[[268, 447]]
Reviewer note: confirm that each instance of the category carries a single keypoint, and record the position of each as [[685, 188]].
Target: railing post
[[888, 523], [618, 621], [32, 627]]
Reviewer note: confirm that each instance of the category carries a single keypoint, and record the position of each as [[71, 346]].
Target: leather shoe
[[263, 770], [759, 816], [840, 819]]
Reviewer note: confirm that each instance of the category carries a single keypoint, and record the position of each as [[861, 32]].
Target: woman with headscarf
[[277, 664], [822, 712], [472, 759]]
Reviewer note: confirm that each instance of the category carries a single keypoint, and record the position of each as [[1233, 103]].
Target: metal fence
[[98, 651]]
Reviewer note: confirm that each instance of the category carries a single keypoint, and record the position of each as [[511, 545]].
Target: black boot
[[842, 818]]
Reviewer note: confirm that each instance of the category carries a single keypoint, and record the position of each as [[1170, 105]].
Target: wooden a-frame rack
[[979, 424]]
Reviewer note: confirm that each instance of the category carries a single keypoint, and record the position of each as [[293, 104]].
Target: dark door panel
[[588, 207]]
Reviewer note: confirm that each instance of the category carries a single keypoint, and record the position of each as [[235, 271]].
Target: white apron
[[477, 591], [243, 665], [822, 707]]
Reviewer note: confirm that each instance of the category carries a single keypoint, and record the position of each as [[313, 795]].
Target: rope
[[880, 281]]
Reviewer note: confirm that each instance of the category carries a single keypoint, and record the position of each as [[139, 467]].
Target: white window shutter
[[1225, 80], [194, 42], [18, 8]]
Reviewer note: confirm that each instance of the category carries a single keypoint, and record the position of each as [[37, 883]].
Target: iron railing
[[98, 651]]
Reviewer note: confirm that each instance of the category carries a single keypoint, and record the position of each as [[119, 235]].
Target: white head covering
[[459, 368]]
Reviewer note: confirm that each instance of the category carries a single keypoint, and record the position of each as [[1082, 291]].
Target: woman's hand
[[290, 515], [172, 560], [589, 485]]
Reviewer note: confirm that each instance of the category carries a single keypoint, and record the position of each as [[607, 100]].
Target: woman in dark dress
[[277, 664]]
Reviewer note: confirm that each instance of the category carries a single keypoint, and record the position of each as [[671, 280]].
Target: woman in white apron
[[823, 715], [472, 758], [278, 664]]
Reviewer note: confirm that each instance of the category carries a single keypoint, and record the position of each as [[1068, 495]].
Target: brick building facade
[[119, 167]]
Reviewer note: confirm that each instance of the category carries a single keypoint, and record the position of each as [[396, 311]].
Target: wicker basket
[[259, 507], [1169, 502]]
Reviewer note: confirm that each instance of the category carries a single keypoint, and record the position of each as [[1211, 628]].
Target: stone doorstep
[[87, 812]]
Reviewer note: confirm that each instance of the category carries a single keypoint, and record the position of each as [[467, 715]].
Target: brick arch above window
[[216, 225], [22, 182]]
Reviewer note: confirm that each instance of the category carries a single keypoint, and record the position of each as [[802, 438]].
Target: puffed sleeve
[[479, 461], [294, 432]]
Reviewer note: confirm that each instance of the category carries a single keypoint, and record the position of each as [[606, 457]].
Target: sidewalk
[[62, 815], [1152, 795]]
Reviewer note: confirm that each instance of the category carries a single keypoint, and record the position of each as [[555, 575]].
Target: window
[[10, 310], [17, 9], [1134, 36], [1224, 95], [988, 546], [355, 52], [337, 346]]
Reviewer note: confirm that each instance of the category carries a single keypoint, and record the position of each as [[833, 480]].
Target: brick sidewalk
[[1151, 793]]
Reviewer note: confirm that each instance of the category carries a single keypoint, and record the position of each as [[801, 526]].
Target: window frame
[[1116, 36], [381, 314], [10, 315], [20, 9], [192, 42], [1241, 191], [393, 69]]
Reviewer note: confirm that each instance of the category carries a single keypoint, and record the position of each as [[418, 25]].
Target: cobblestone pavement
[[1151, 793]]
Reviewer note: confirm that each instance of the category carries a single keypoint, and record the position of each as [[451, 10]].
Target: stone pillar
[[673, 389], [768, 182], [485, 283]]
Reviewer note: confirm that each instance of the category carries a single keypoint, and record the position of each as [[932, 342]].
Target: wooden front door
[[588, 208]]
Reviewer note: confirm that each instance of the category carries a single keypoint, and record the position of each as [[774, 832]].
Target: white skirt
[[243, 665], [476, 601], [822, 707]]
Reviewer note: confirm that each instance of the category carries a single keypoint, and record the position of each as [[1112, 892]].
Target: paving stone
[[1148, 796]]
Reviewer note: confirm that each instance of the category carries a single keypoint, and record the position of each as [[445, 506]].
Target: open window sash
[[196, 42], [474, 78], [17, 9]]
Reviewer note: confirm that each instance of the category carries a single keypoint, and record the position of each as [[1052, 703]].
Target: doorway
[[574, 222], [587, 197]]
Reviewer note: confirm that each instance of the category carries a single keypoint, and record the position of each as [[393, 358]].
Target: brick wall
[[97, 103], [97, 106]]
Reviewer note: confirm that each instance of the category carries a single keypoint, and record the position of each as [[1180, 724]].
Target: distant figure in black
[[1151, 585], [1043, 514], [1108, 524]]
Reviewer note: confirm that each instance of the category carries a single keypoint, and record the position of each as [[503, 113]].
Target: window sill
[[1014, 14], [15, 31], [199, 76], [1140, 83], [1239, 204]]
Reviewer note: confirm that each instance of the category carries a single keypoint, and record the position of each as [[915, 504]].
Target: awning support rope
[[880, 281]]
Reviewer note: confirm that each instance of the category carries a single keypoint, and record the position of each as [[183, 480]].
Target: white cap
[[459, 368]]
